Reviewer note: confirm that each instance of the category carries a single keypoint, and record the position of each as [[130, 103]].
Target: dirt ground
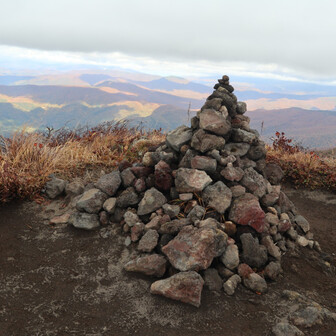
[[62, 281]]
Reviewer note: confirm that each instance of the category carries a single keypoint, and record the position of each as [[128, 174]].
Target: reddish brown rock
[[284, 225], [162, 175], [193, 248], [154, 265], [137, 231], [246, 210], [185, 286], [244, 270], [142, 171]]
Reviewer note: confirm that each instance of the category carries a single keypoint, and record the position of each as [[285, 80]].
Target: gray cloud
[[297, 35]]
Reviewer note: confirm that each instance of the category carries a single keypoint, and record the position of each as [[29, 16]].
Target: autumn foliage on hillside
[[28, 159]]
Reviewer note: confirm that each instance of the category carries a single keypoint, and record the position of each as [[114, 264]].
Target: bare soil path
[[61, 281]]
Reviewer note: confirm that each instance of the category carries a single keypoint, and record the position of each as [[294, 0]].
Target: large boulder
[[185, 286], [193, 249], [191, 180], [214, 122], [179, 137], [109, 183], [246, 210], [217, 196], [152, 200]]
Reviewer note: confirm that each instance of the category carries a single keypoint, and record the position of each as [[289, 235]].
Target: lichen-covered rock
[[152, 200], [274, 173], [272, 249], [246, 210], [91, 201], [212, 280], [74, 188], [214, 122], [153, 265], [191, 180], [55, 187], [171, 210], [192, 249], [204, 142], [302, 223], [184, 286], [197, 213], [127, 177], [230, 258], [109, 183], [273, 270], [217, 196], [257, 152], [254, 254], [241, 107], [174, 226], [148, 241], [110, 205], [286, 329], [233, 174], [237, 149], [255, 283], [180, 136], [239, 135], [254, 182], [205, 163], [85, 221], [127, 198], [231, 284]]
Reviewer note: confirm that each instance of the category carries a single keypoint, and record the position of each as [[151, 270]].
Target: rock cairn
[[202, 208]]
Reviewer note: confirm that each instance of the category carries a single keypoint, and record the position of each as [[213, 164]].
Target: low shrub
[[302, 167]]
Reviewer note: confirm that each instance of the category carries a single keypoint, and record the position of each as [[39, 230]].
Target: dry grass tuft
[[303, 167], [27, 160]]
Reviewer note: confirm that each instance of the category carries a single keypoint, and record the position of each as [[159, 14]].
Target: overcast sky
[[286, 37]]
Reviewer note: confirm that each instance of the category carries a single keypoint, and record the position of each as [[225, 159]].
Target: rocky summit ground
[[56, 280]]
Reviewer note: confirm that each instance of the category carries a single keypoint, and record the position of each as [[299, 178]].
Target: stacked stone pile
[[202, 208]]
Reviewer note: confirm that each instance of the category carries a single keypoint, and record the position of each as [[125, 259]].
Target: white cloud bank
[[285, 37]]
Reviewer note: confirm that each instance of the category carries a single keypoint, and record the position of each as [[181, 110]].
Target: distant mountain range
[[305, 111]]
